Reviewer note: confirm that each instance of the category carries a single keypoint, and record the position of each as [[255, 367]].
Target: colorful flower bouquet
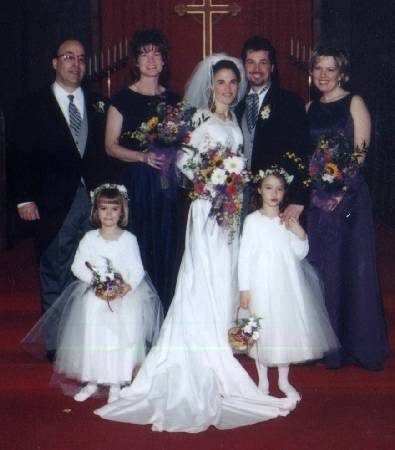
[[333, 168], [164, 132], [219, 175], [244, 335], [109, 286]]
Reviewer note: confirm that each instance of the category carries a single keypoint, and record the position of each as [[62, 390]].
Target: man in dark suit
[[59, 157], [273, 120]]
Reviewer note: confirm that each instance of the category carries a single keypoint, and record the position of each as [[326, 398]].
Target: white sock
[[284, 385], [113, 393], [86, 392], [263, 384]]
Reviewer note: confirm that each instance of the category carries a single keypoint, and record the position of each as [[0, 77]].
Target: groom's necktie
[[252, 103], [74, 116]]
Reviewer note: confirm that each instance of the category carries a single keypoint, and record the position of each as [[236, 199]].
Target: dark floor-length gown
[[157, 205], [342, 247]]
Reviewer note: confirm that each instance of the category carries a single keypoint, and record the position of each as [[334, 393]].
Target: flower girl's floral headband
[[119, 187], [273, 170]]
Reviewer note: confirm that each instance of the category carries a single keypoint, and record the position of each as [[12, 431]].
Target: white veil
[[198, 88]]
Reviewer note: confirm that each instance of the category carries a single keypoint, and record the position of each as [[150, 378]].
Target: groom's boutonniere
[[99, 107], [265, 113]]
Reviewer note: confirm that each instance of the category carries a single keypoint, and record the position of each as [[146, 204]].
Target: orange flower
[[332, 169], [152, 122]]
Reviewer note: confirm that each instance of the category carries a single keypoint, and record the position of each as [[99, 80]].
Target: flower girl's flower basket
[[245, 332], [108, 287]]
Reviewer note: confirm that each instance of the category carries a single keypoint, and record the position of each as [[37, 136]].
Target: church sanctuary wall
[[367, 31], [287, 24]]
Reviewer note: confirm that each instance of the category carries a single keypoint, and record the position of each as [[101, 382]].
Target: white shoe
[[289, 391], [86, 392]]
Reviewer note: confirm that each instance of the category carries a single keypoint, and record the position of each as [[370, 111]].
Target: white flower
[[99, 107], [247, 329], [109, 276], [234, 164], [328, 177], [119, 187], [266, 110], [255, 335], [211, 189], [218, 176], [272, 170]]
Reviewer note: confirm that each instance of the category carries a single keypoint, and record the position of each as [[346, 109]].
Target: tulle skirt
[[295, 325], [98, 341]]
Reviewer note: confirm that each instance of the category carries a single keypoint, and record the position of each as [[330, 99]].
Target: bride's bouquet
[[165, 132], [333, 168], [107, 286], [219, 175]]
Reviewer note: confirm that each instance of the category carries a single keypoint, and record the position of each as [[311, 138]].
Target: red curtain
[[281, 21]]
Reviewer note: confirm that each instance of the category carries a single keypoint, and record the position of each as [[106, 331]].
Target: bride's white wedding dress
[[190, 379]]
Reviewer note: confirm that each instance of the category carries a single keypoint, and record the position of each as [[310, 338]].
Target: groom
[[273, 120], [59, 156]]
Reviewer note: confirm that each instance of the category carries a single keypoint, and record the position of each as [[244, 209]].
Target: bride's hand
[[155, 161]]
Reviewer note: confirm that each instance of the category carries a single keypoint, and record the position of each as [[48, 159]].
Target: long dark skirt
[[342, 248]]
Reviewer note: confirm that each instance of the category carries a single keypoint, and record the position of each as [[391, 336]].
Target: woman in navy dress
[[157, 205], [341, 232]]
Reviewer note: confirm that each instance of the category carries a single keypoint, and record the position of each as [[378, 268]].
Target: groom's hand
[[292, 211], [29, 211]]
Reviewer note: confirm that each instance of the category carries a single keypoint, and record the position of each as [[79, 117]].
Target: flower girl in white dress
[[277, 284], [103, 321]]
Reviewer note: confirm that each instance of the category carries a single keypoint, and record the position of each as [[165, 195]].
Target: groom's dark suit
[[284, 130]]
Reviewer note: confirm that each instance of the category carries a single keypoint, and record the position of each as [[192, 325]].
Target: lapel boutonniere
[[265, 113], [99, 107]]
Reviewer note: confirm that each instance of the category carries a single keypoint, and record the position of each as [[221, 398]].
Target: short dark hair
[[114, 197], [149, 38], [256, 43], [227, 64], [60, 42], [339, 55]]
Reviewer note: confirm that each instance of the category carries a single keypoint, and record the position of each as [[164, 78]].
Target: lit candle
[[108, 84]]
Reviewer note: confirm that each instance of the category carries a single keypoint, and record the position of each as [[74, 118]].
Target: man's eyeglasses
[[69, 57]]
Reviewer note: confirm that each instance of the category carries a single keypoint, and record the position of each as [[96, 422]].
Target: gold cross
[[206, 9]]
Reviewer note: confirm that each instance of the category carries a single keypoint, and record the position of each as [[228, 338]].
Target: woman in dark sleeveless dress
[[341, 232], [157, 205]]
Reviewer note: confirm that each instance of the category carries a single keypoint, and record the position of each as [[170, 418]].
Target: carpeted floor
[[350, 408]]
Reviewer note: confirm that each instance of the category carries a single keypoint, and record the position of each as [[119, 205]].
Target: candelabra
[[299, 54], [101, 65]]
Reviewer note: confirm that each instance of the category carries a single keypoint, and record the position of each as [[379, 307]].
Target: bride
[[190, 379]]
